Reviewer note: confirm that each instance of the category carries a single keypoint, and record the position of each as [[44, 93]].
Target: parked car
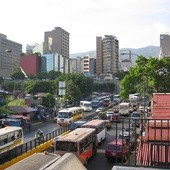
[[117, 148]]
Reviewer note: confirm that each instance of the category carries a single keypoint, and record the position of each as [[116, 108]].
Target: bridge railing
[[24, 148]]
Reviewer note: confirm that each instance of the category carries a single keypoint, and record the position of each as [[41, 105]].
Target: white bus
[[100, 126], [10, 137], [69, 115], [124, 109], [86, 106]]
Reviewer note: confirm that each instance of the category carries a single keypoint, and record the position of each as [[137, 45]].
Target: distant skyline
[[135, 23]]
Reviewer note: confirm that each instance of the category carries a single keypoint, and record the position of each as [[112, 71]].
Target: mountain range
[[148, 51]]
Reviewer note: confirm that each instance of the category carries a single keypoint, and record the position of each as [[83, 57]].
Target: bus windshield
[[66, 146], [64, 115], [87, 104]]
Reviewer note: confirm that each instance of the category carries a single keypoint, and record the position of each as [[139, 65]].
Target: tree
[[17, 74], [48, 100], [73, 92], [148, 76]]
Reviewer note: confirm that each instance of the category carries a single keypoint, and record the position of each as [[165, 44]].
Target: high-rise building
[[30, 47], [165, 45], [107, 55], [89, 65], [10, 52], [57, 41], [52, 62], [76, 65], [99, 55]]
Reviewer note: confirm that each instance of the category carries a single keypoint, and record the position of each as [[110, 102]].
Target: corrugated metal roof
[[150, 153], [157, 134]]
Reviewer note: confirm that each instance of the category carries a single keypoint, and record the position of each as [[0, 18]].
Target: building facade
[[107, 55], [165, 45], [30, 47], [52, 62], [10, 52], [57, 41], [99, 55], [31, 64], [76, 65], [89, 65]]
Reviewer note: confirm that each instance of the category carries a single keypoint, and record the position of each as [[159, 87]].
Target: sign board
[[61, 92], [62, 84]]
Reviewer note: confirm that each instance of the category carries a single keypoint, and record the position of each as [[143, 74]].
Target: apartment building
[[10, 52], [107, 55], [57, 41], [165, 45]]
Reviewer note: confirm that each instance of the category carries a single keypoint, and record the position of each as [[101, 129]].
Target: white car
[[100, 109]]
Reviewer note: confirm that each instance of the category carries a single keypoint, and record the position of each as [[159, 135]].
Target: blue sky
[[135, 23]]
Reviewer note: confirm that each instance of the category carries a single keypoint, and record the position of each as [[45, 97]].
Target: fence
[[24, 148]]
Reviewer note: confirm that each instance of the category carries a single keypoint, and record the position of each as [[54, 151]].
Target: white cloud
[[135, 23]]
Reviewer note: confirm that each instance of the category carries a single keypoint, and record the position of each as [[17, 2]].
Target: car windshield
[[64, 115]]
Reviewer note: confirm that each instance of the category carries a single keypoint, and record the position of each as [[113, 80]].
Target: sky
[[135, 23]]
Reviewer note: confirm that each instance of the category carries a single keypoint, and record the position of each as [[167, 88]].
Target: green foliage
[[17, 74], [48, 100], [17, 102], [148, 76], [73, 92], [33, 87], [4, 110]]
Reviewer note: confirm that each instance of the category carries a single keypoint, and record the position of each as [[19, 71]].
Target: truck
[[134, 100]]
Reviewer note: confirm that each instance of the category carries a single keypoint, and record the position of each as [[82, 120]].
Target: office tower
[[52, 62], [107, 55], [99, 55], [10, 52], [165, 45], [57, 41], [30, 47]]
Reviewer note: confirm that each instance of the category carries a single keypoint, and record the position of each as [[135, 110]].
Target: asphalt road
[[48, 127]]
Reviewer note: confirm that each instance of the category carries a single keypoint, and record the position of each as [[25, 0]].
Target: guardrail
[[28, 146]]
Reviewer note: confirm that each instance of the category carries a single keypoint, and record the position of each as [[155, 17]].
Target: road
[[48, 127], [98, 161]]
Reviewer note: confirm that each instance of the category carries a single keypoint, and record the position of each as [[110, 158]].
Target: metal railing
[[150, 146], [24, 148]]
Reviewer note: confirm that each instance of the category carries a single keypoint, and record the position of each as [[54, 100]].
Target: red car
[[116, 118], [118, 148]]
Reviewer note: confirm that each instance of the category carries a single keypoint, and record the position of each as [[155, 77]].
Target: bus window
[[81, 141], [99, 126], [69, 115], [10, 137]]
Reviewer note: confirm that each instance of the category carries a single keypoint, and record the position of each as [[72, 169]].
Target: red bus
[[81, 141]]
